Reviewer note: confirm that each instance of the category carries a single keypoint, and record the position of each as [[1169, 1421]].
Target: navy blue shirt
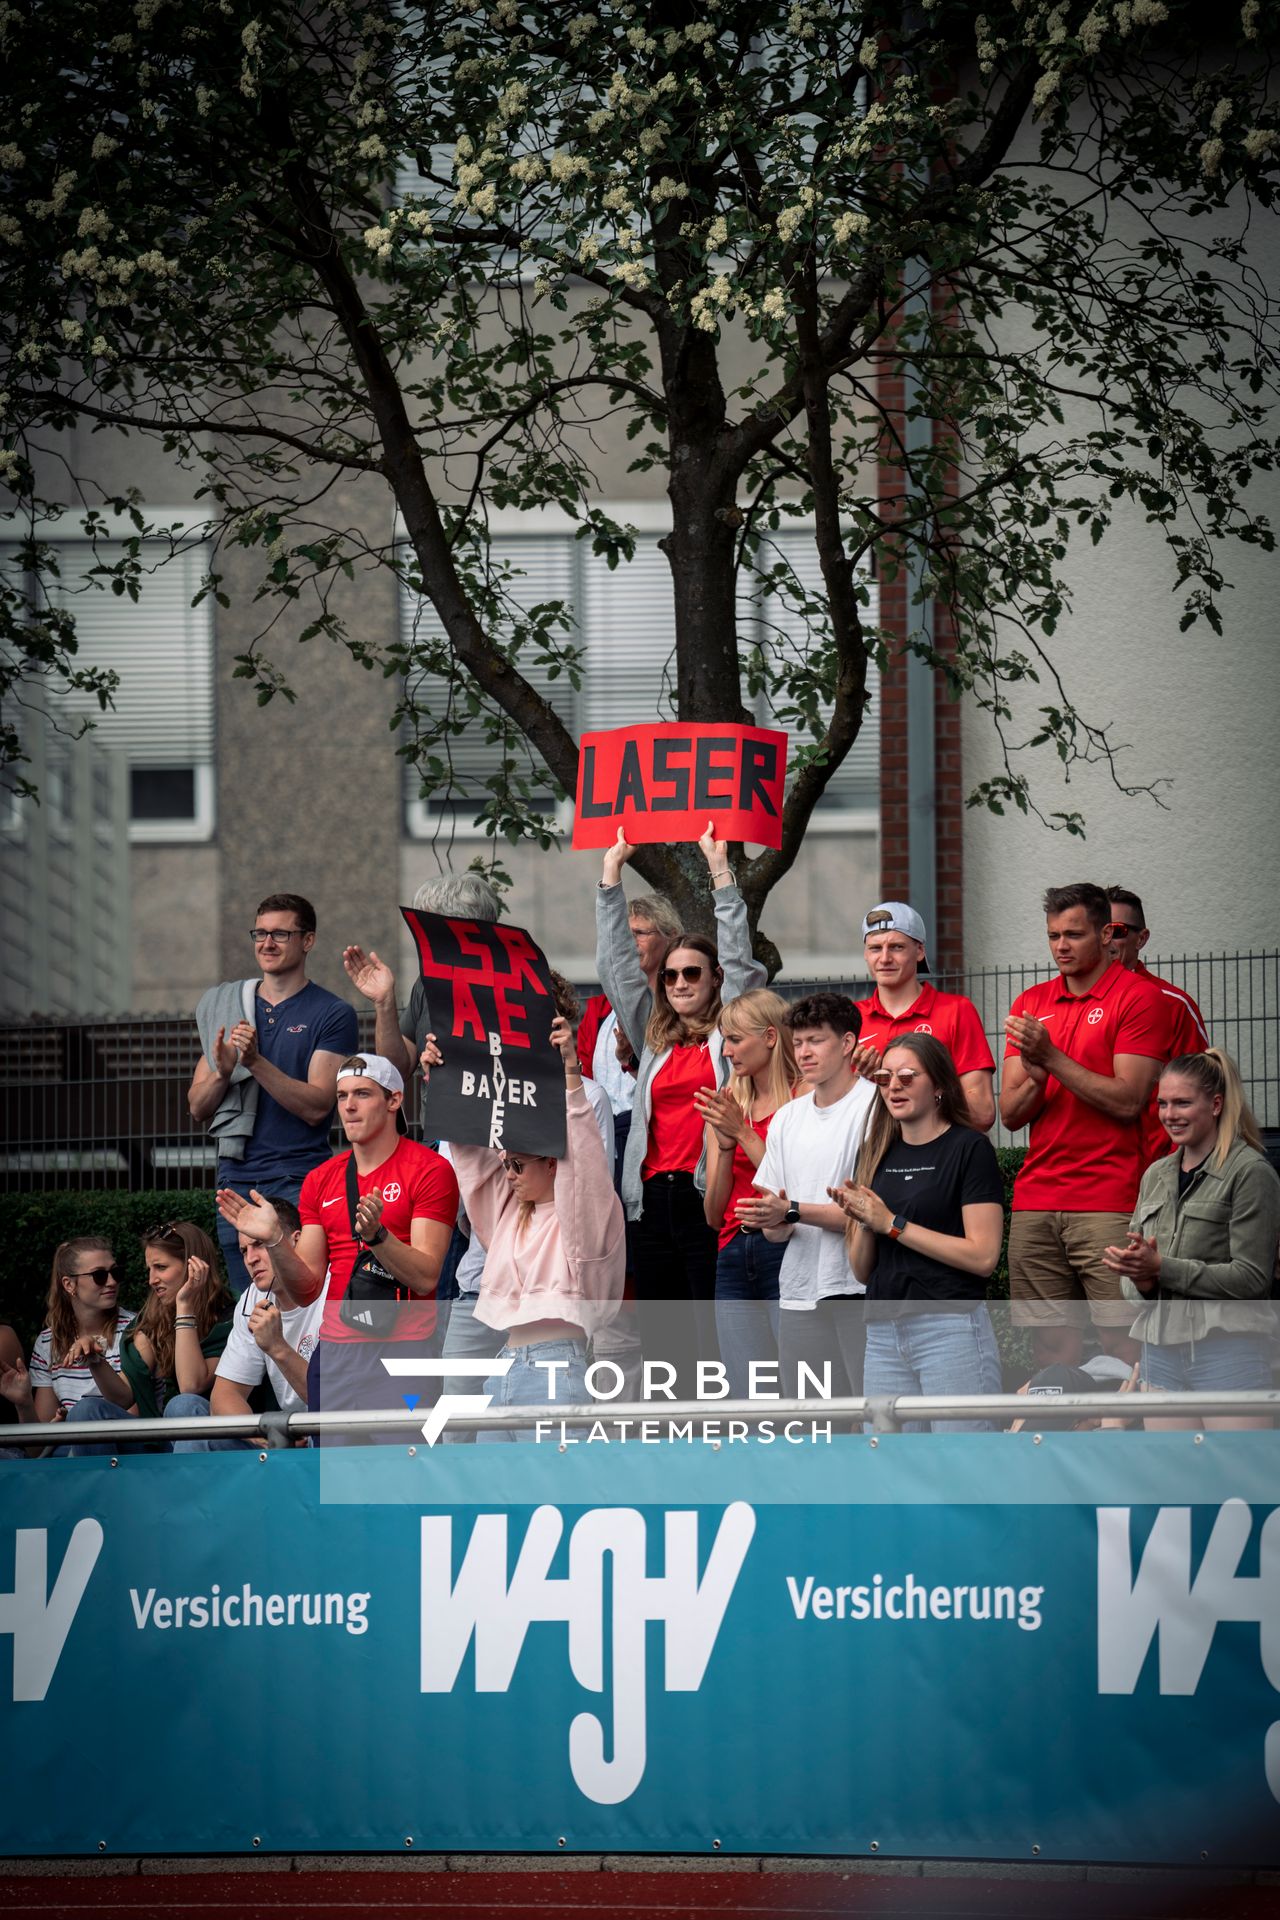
[[284, 1147]]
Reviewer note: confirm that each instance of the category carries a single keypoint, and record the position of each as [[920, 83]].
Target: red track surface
[[665, 1895]]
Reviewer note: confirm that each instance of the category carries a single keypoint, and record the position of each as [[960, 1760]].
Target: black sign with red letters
[[491, 1006]]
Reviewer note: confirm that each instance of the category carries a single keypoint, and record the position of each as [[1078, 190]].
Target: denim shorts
[[1220, 1363]]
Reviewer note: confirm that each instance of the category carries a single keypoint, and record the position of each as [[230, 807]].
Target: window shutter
[[547, 563]]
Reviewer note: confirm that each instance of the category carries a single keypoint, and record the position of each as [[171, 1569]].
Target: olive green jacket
[[1217, 1248]]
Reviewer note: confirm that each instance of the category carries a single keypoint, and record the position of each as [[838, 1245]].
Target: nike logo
[[328, 1203]]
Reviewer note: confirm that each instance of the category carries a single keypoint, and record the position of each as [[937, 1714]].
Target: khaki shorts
[[1055, 1258]]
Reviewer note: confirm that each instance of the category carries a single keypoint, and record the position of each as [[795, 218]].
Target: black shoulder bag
[[373, 1297]]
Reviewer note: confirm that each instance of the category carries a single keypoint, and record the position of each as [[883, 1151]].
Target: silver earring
[[937, 1099]]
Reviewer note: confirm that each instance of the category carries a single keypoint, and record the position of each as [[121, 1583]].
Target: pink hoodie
[[570, 1262]]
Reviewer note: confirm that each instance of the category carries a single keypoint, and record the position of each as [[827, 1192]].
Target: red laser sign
[[663, 783]]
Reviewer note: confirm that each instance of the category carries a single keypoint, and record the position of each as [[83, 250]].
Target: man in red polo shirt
[[1187, 1030], [1084, 1052], [893, 940], [387, 1205]]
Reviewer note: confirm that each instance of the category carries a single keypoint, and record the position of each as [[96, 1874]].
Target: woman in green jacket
[[1201, 1251]]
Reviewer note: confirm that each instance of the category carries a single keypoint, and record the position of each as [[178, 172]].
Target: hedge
[[37, 1222]]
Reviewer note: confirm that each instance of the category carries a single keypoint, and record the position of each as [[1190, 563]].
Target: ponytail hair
[[1216, 1073]]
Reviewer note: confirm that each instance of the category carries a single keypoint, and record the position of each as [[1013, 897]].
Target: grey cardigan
[[1217, 1248], [237, 1113], [628, 993]]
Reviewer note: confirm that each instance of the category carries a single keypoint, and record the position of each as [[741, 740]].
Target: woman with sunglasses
[[81, 1337], [675, 1032], [926, 1215], [758, 1047], [1201, 1247], [556, 1251], [170, 1354]]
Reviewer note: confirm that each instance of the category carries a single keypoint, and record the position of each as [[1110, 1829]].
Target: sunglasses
[[511, 1165], [168, 1231], [691, 975], [905, 1076], [99, 1275]]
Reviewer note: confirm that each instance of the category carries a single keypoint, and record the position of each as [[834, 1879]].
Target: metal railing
[[884, 1413], [103, 1103]]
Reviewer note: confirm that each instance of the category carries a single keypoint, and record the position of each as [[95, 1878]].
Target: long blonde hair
[[755, 1012], [60, 1313], [1215, 1072], [190, 1242]]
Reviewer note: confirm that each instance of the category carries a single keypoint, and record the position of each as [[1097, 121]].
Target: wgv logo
[[480, 1602], [39, 1620], [1162, 1597]]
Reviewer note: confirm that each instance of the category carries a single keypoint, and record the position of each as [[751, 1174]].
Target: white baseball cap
[[895, 916], [372, 1066]]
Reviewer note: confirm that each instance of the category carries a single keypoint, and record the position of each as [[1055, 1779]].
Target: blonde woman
[[80, 1341], [1201, 1250], [764, 1076], [170, 1354]]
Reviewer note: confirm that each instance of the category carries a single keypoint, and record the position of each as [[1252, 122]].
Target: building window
[[162, 722], [626, 624]]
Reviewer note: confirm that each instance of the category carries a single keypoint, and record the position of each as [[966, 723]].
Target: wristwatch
[[897, 1226], [377, 1239], [792, 1214]]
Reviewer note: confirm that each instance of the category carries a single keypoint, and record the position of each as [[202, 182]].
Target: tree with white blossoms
[[707, 227]]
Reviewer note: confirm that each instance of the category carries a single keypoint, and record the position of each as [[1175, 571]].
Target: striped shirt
[[70, 1383]]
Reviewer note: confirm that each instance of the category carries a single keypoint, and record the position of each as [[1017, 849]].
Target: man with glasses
[[1187, 1031], [266, 1080], [893, 942]]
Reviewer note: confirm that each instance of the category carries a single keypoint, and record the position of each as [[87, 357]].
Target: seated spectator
[[1201, 1247], [926, 1207], [169, 1355], [556, 1243], [812, 1148], [757, 1045], [270, 1343], [80, 1338], [1102, 1374], [13, 1381]]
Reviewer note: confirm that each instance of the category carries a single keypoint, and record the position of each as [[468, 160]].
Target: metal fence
[[103, 1103]]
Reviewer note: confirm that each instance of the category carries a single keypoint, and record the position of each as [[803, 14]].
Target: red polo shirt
[[1080, 1160], [1187, 1034], [949, 1017]]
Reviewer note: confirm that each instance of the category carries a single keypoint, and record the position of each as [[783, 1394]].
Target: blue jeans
[[237, 1272], [93, 1407], [747, 1269], [1220, 1363], [191, 1406], [944, 1351], [467, 1339], [531, 1383]]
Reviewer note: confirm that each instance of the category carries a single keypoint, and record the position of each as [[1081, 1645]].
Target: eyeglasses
[[99, 1275], [260, 936], [691, 975], [906, 1077]]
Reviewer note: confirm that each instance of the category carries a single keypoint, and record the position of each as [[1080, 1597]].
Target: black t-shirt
[[930, 1186]]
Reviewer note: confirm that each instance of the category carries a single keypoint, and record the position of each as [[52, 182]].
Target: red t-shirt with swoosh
[[949, 1017], [416, 1184], [1080, 1160]]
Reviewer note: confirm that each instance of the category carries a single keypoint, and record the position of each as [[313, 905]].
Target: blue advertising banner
[[937, 1646]]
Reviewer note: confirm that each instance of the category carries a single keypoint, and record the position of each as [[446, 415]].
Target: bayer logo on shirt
[[924, 1027], [1093, 1016], [392, 1190]]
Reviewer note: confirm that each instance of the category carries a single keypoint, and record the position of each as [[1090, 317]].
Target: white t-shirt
[[609, 1072], [243, 1360], [70, 1383], [470, 1269], [809, 1148]]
